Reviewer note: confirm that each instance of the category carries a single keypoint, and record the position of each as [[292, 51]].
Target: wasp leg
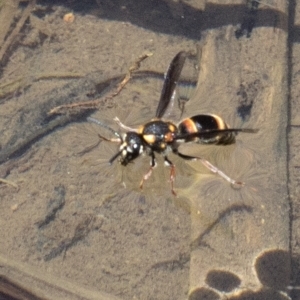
[[148, 174], [211, 167], [123, 126], [168, 163]]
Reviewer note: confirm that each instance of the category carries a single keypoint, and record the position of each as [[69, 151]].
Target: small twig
[[128, 76], [12, 38], [63, 109], [8, 182], [65, 75], [12, 87]]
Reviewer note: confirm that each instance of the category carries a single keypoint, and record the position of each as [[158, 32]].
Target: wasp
[[164, 137]]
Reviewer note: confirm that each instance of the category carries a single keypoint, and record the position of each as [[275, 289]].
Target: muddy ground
[[74, 227]]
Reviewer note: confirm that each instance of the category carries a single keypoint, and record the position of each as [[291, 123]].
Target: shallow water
[[83, 228]]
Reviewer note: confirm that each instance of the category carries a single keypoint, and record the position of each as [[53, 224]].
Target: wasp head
[[131, 147]]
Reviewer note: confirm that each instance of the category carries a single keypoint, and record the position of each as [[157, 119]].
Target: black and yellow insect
[[162, 136]]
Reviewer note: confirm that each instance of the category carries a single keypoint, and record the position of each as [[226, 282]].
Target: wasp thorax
[[131, 148], [158, 134]]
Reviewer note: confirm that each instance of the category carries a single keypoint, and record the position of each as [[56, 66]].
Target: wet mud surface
[[74, 227]]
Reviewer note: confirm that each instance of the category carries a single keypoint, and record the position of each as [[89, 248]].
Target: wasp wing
[[208, 132], [170, 83]]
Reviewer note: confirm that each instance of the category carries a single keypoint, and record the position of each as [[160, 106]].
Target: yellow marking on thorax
[[149, 138]]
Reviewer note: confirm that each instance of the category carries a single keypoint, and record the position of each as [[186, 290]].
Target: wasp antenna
[[114, 157], [92, 120]]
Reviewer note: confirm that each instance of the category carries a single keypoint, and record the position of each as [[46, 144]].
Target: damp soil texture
[[72, 226]]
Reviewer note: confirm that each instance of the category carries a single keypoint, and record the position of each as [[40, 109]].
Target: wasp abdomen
[[207, 122]]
